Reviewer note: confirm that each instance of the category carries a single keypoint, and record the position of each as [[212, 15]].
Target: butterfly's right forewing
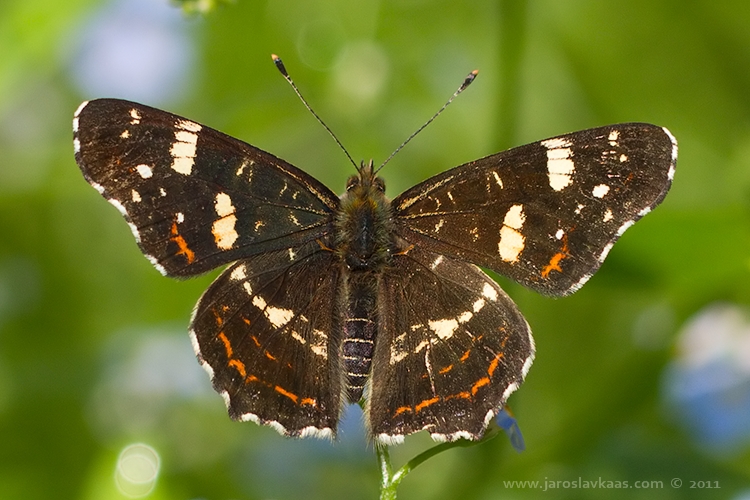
[[547, 213]]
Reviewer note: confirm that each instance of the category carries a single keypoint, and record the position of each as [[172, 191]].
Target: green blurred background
[[643, 375]]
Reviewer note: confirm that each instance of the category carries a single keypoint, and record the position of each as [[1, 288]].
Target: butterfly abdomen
[[360, 327]]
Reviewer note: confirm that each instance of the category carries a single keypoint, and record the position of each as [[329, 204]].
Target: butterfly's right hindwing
[[451, 348]]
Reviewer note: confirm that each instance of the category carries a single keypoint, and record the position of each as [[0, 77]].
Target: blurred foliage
[[200, 6], [94, 353]]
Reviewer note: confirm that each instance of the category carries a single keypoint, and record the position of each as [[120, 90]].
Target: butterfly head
[[365, 182]]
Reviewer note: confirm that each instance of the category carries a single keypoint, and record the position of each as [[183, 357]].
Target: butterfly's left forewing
[[194, 197], [545, 214]]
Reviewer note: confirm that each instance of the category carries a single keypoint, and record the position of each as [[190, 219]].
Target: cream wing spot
[[465, 317], [614, 136], [498, 179], [397, 355], [223, 229], [512, 242], [560, 166], [443, 328], [478, 305], [320, 348], [224, 233], [189, 126], [421, 346], [242, 167], [184, 148], [600, 191], [238, 273], [515, 217], [223, 205], [557, 143], [144, 171], [489, 292], [277, 316]]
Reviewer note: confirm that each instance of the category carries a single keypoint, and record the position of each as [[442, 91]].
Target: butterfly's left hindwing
[[451, 348], [545, 214], [195, 198], [267, 332]]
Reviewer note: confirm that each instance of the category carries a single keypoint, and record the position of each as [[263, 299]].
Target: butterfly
[[330, 300]]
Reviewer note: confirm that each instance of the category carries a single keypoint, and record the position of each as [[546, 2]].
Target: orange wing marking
[[239, 366], [227, 344], [426, 403], [402, 409], [184, 249], [446, 369], [554, 262], [286, 393]]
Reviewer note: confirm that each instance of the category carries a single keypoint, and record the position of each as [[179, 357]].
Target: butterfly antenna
[[282, 69], [467, 81]]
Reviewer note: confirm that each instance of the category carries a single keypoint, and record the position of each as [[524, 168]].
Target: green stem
[[389, 481]]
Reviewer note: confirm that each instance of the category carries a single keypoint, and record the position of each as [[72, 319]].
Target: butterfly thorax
[[364, 243]]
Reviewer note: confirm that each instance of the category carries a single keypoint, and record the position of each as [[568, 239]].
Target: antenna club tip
[[469, 78], [279, 65]]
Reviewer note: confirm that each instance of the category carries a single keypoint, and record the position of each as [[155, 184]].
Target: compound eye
[[380, 184], [352, 182]]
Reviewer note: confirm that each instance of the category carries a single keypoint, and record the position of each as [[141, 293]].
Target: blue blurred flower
[[707, 386]]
